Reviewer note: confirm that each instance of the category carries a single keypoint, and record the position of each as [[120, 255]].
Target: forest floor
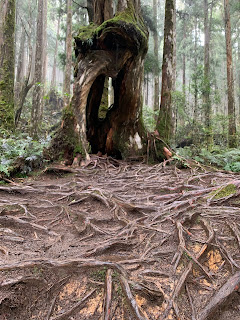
[[117, 240]]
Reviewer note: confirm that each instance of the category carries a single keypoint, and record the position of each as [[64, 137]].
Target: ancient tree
[[110, 54], [7, 28], [232, 139]]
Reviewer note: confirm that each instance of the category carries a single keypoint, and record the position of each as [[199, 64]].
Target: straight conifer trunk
[[156, 71], [232, 139], [68, 66], [206, 93], [165, 118], [53, 80], [38, 75]]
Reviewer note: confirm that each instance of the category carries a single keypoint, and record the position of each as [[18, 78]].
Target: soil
[[117, 240]]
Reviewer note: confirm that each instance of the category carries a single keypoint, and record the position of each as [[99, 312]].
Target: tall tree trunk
[[68, 66], [184, 57], [45, 55], [90, 10], [195, 108], [239, 74], [103, 10], [7, 62], [232, 139], [26, 85], [38, 75], [156, 48], [206, 93], [115, 49], [53, 81], [20, 66], [165, 118]]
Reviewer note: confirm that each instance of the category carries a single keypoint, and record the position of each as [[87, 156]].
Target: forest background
[[205, 106]]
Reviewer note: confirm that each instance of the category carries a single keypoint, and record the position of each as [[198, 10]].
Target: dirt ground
[[116, 240]]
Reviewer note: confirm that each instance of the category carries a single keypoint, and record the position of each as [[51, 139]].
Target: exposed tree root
[[232, 285], [134, 241]]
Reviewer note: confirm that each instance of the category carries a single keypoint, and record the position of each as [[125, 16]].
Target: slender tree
[[24, 82], [53, 80], [7, 57], [206, 92], [38, 73], [156, 49], [165, 118], [45, 55], [232, 139], [68, 66]]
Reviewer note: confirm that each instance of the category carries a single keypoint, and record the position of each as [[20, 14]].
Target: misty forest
[[120, 159]]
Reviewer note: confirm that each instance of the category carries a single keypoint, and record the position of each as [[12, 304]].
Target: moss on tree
[[7, 69], [65, 143]]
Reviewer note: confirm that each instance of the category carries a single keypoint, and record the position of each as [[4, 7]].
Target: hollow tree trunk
[[114, 49]]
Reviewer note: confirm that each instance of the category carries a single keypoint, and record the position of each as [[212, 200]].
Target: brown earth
[[115, 240]]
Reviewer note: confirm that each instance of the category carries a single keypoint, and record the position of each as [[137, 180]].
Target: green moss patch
[[224, 192]]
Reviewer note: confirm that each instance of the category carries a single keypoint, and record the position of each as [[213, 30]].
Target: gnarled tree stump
[[110, 50]]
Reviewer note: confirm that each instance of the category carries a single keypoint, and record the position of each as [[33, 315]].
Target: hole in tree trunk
[[100, 105]]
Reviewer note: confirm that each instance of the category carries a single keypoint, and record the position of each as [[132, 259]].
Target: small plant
[[99, 275]]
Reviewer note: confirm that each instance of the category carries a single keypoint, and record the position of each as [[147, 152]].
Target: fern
[[20, 147]]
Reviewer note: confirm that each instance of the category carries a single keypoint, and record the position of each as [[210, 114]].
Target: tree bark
[[38, 75], [26, 84], [90, 10], [239, 74], [206, 93], [45, 55], [156, 70], [195, 108], [232, 139], [165, 118], [115, 49], [7, 58], [20, 67], [68, 66], [53, 81]]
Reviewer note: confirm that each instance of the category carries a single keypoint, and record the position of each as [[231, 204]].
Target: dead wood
[[130, 299], [108, 296], [231, 286], [13, 221]]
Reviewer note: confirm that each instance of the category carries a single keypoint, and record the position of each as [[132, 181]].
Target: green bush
[[21, 153]]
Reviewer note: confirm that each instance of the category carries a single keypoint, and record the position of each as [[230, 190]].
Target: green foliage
[[151, 64], [147, 13], [228, 190], [16, 149], [149, 118], [227, 159]]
